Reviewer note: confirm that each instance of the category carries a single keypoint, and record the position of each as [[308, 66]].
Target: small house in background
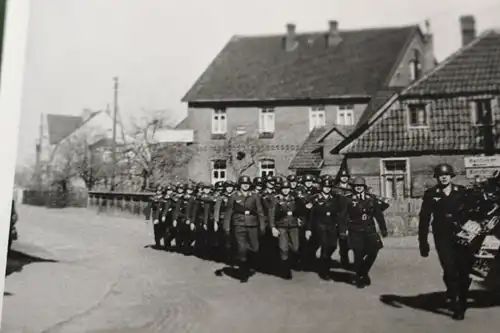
[[450, 115], [279, 100]]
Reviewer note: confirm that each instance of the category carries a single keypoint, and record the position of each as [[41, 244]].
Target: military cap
[[308, 178], [443, 169], [278, 180], [258, 181], [230, 183], [291, 178], [270, 179], [343, 173], [219, 185], [326, 182], [359, 181], [244, 180], [285, 184]]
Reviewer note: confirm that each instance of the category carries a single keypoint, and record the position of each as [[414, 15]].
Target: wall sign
[[482, 161]]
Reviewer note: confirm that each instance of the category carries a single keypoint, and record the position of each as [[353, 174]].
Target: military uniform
[[203, 216], [365, 242], [307, 247], [167, 217], [183, 217], [153, 212], [284, 219], [268, 246], [449, 212], [327, 210], [245, 216], [345, 190]]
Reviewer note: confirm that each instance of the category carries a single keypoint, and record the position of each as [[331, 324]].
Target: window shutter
[[473, 112]]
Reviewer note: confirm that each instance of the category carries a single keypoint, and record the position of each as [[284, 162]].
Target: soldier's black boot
[[458, 308], [324, 269], [285, 269], [359, 281], [244, 272]]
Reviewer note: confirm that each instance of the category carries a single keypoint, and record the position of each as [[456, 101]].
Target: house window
[[219, 121], [219, 171], [345, 115], [481, 112], [418, 115], [395, 178], [266, 120], [316, 117], [267, 168], [415, 66]]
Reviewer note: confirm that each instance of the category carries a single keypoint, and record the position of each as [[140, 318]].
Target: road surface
[[105, 279]]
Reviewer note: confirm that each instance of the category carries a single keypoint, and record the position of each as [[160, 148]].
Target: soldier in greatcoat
[[343, 187], [362, 212], [327, 210], [183, 219], [153, 212], [245, 216], [308, 245], [285, 222], [446, 205], [167, 217]]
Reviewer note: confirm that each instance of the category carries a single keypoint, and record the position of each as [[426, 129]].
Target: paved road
[[106, 281]]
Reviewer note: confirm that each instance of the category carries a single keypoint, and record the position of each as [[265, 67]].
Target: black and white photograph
[[264, 166]]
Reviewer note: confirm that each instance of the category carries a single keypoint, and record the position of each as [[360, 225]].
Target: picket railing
[[118, 202]]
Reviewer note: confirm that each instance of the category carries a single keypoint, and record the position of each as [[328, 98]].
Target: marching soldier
[[446, 204], [327, 210], [204, 222], [308, 246], [225, 241], [285, 222], [153, 212], [167, 217], [344, 189], [268, 199], [183, 218], [365, 242], [245, 217]]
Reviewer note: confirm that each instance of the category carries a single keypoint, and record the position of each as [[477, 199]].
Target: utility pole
[[39, 145], [115, 111]]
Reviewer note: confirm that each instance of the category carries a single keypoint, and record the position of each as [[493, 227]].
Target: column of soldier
[[251, 223], [274, 224]]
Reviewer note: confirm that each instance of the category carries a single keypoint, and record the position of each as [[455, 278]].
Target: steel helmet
[[359, 181], [244, 180], [443, 169]]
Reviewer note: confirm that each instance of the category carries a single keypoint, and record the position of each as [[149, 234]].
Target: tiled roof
[[309, 154], [60, 126], [378, 100], [473, 68], [259, 68], [450, 129]]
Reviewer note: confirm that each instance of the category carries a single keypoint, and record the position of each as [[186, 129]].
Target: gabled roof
[[309, 154], [258, 68], [377, 101], [475, 68], [60, 126]]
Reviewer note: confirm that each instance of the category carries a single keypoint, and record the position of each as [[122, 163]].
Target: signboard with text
[[481, 172], [482, 161]]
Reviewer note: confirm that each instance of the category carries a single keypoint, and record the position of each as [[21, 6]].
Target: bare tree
[[151, 159], [241, 151]]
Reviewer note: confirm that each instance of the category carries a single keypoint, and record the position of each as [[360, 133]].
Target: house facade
[[450, 115], [271, 99]]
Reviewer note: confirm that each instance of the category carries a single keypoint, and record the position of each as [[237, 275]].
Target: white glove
[[188, 221], [174, 223], [216, 227], [309, 205], [205, 226], [275, 232], [163, 219], [308, 234], [156, 221], [192, 226], [300, 222]]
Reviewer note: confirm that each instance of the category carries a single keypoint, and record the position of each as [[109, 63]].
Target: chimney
[[429, 56], [467, 28], [333, 33], [290, 39]]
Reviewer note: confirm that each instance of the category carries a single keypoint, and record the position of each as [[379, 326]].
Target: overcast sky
[[158, 48]]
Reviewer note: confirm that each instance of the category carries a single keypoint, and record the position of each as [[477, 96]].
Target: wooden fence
[[55, 199]]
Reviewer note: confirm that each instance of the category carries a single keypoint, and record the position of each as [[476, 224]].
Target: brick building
[[286, 97], [449, 115]]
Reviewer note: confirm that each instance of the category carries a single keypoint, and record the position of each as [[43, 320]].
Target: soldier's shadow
[[435, 302], [229, 271]]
